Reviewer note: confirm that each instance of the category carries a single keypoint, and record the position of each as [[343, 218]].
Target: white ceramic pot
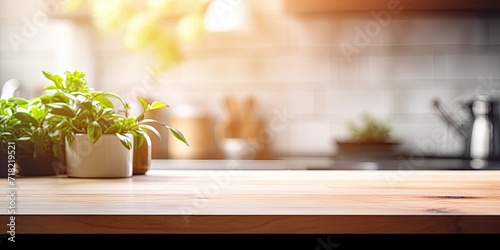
[[107, 158], [238, 149]]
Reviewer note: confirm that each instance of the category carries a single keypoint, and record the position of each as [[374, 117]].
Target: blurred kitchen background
[[310, 66]]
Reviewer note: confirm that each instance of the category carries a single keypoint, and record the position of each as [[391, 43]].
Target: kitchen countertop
[[269, 201], [400, 163]]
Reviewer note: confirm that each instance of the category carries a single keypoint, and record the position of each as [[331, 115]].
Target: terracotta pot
[[142, 157], [107, 158]]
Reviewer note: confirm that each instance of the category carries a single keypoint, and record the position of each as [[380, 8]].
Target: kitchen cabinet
[[260, 201], [367, 5]]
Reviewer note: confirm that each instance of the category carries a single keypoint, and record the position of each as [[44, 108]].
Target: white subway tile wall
[[321, 70]]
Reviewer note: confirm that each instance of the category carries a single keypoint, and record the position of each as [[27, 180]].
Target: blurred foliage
[[369, 129], [157, 26]]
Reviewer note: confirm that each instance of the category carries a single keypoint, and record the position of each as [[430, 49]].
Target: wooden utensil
[[231, 126], [250, 124]]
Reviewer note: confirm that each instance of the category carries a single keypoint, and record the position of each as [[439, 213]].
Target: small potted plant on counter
[[24, 130], [39, 151], [369, 137], [142, 142], [8, 134], [100, 140], [369, 129]]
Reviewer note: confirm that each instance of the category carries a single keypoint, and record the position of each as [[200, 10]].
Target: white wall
[[294, 64]]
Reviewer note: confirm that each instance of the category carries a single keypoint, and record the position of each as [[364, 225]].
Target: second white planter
[[107, 158]]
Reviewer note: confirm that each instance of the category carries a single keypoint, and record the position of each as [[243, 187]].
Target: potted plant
[[39, 148], [369, 136], [369, 129], [25, 138], [142, 142], [93, 128], [8, 134]]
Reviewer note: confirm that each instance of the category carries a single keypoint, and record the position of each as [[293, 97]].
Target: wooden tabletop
[[260, 201]]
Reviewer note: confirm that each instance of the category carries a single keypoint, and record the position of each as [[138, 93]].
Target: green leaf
[[113, 129], [94, 131], [45, 99], [22, 126], [50, 87], [144, 103], [158, 105], [140, 117], [39, 141], [75, 81], [152, 129], [26, 118], [105, 123], [105, 102], [61, 109], [76, 123], [60, 97], [57, 150], [18, 100], [125, 105], [80, 97], [138, 140], [86, 105], [85, 114], [106, 112], [48, 75], [4, 118], [153, 121], [126, 141], [61, 125], [54, 78], [70, 137], [178, 135], [38, 113]]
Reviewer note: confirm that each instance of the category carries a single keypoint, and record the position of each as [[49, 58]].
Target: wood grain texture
[[261, 201], [254, 224]]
